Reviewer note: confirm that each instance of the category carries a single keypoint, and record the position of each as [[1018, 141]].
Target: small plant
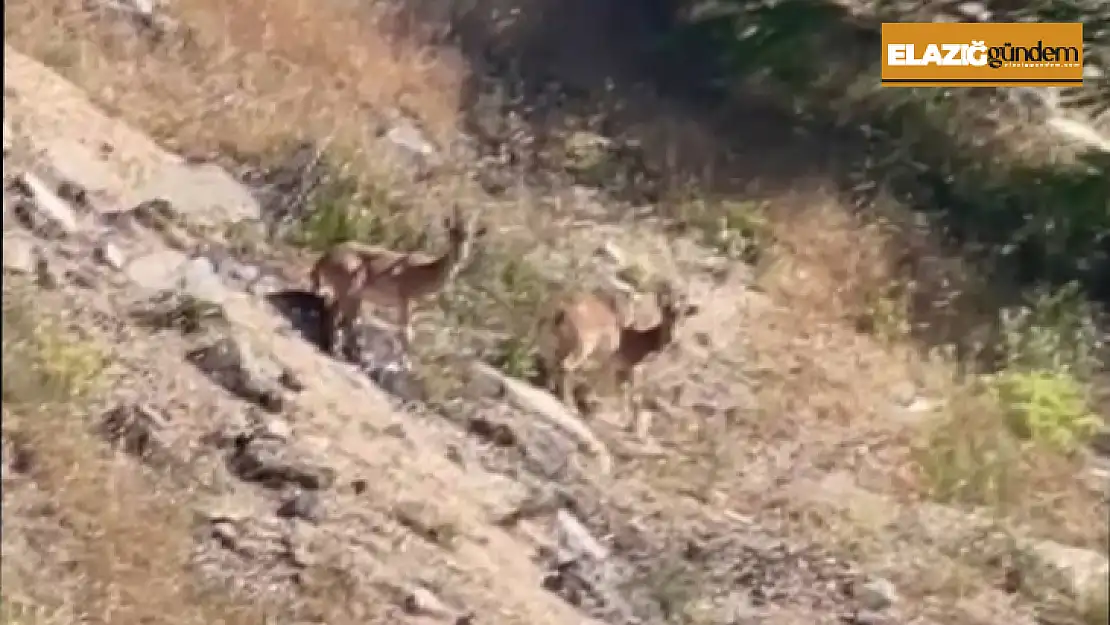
[[589, 157], [43, 362], [886, 317], [345, 207], [503, 293], [736, 229], [1053, 331], [673, 589], [969, 458], [339, 212], [1049, 346], [1047, 407], [245, 238]]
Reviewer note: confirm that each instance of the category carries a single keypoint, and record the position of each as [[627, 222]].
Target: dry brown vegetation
[[119, 542], [246, 78]]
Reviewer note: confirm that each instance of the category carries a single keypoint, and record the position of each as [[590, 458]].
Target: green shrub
[[736, 229], [44, 363], [342, 210], [1047, 407], [1053, 330]]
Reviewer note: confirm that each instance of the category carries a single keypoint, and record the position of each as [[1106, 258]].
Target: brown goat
[[351, 272], [588, 326]]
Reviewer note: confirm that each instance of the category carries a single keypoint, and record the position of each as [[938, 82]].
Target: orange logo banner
[[982, 54]]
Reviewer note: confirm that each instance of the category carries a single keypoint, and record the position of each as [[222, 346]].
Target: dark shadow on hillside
[[616, 68], [791, 102]]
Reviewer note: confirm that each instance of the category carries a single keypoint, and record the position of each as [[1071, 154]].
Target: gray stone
[[78, 163], [273, 465], [277, 429], [54, 210], [877, 594], [157, 271], [1084, 569], [21, 255], [232, 363], [545, 405], [412, 139], [197, 277], [302, 504], [204, 194], [974, 10], [110, 255]]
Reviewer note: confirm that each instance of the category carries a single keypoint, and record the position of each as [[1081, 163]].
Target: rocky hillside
[[178, 450]]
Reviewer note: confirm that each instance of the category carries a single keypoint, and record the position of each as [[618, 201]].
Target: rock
[[203, 194], [271, 464], [1081, 132], [77, 163], [231, 363], [226, 534], [291, 380], [498, 434], [74, 194], [21, 255], [143, 9], [376, 350], [226, 509], [302, 504], [575, 537], [156, 214], [240, 272], [612, 253], [410, 138], [53, 217], [1083, 569], [904, 393], [876, 594], [276, 428], [197, 277], [157, 271], [265, 285], [137, 429], [552, 410], [110, 255], [48, 273], [974, 11], [423, 602]]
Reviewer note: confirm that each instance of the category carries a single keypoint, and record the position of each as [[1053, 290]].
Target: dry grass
[[127, 545], [249, 76], [110, 543]]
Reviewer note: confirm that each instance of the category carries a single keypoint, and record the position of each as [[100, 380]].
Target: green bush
[[1026, 220], [1047, 407]]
